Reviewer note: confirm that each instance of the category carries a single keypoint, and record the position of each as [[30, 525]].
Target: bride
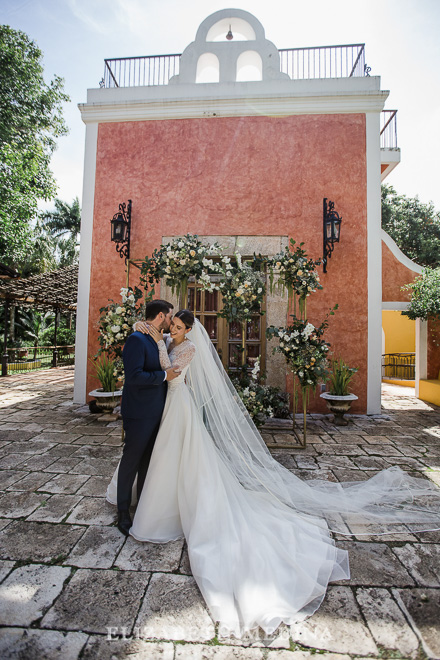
[[259, 538]]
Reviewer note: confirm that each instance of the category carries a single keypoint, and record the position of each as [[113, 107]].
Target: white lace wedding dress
[[258, 542]]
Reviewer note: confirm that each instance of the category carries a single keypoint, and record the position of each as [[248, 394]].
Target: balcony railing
[[299, 63], [401, 366], [324, 62], [388, 131], [30, 358]]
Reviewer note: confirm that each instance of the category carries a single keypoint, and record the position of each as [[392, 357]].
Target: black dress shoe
[[124, 522]]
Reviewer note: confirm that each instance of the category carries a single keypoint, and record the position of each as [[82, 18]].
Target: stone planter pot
[[338, 405], [106, 401]]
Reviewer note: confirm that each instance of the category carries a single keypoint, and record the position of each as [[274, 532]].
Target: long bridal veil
[[389, 497]]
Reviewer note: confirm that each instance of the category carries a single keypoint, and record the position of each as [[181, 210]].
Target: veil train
[[390, 497]]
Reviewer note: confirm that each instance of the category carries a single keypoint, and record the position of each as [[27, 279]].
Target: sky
[[402, 47]]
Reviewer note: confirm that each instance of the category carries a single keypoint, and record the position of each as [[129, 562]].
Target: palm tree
[[40, 258], [64, 225], [34, 324]]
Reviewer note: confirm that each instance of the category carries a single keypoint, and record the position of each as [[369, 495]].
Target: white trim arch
[[208, 69], [249, 66], [241, 30]]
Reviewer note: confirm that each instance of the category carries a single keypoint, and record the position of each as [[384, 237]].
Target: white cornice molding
[[243, 107], [397, 252], [273, 98]]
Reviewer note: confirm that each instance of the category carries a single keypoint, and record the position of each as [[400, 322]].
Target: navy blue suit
[[143, 401]]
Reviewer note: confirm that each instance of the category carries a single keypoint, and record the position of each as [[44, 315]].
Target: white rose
[[180, 244], [119, 310], [115, 328]]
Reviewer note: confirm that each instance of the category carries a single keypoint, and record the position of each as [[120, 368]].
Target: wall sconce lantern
[[121, 225], [332, 230]]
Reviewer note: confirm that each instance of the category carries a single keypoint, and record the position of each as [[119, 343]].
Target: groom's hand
[[172, 373]]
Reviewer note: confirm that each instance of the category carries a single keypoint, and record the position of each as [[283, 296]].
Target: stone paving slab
[[174, 609], [61, 484], [5, 568], [386, 621], [422, 608], [18, 504], [93, 601], [93, 511], [28, 591], [119, 649], [30, 482], [423, 563], [55, 508], [30, 644], [375, 564], [203, 652], [137, 556], [38, 542], [97, 548], [337, 626]]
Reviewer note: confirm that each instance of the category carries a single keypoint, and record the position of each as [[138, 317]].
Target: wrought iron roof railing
[[299, 63], [388, 131]]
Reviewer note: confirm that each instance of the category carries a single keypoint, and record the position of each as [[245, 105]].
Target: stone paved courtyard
[[71, 586]]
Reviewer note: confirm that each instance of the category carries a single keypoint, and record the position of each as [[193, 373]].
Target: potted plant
[[339, 398], [108, 395]]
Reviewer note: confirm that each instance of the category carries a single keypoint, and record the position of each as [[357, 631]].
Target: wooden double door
[[227, 337]]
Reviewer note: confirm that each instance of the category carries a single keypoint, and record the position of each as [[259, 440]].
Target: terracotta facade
[[240, 175]]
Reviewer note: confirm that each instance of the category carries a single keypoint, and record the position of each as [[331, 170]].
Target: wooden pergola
[[55, 290]]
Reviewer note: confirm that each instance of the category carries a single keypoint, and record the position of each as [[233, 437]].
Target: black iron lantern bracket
[[331, 229], [121, 229]]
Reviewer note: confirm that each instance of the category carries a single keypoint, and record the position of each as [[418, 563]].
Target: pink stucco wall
[[394, 276], [248, 176]]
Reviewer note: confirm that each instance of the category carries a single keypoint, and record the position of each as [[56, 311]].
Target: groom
[[143, 400]]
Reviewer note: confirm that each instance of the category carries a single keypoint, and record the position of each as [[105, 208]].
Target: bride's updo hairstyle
[[186, 317]]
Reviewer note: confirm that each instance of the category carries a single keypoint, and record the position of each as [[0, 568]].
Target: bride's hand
[[141, 326], [155, 334]]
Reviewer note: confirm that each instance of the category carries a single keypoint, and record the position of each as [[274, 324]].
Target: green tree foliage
[[64, 225], [413, 225], [425, 296], [30, 122]]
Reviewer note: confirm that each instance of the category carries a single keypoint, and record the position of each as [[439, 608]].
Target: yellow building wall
[[400, 332]]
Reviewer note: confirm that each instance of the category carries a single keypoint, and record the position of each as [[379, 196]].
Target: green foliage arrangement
[[414, 226], [242, 289], [177, 261], [340, 377], [106, 372]]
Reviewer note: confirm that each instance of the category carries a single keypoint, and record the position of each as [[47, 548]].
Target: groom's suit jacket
[[145, 389]]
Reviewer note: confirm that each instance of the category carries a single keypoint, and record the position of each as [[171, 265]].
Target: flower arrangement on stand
[[301, 342], [116, 323], [177, 261]]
